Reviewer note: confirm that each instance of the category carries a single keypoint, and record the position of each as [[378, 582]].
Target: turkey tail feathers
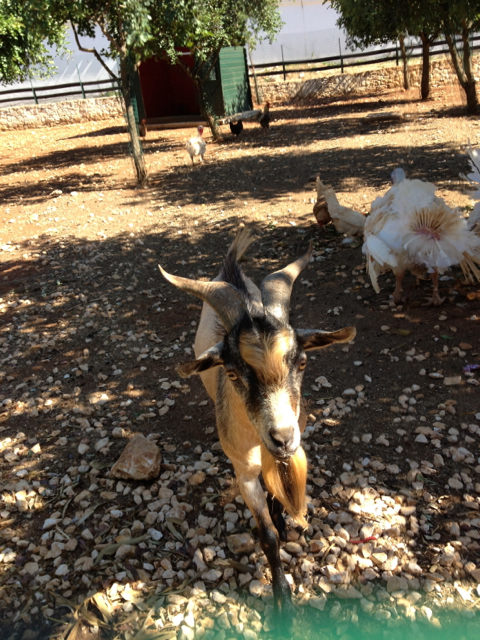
[[378, 255]]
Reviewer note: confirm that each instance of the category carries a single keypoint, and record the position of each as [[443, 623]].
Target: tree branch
[[95, 53], [455, 59], [112, 41]]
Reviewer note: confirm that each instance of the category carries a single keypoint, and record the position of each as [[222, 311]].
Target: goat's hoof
[[285, 620]]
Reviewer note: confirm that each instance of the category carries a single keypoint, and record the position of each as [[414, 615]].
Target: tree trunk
[[406, 76], [132, 126], [470, 84], [425, 85], [464, 70], [205, 109]]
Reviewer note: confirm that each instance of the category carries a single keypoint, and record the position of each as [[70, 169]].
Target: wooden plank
[[246, 116], [175, 125]]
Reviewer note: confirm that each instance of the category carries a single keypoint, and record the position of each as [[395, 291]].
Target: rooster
[[328, 209], [196, 146], [264, 117], [236, 127], [410, 228]]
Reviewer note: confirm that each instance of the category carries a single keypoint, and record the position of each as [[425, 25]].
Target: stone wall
[[56, 113], [271, 88], [276, 89]]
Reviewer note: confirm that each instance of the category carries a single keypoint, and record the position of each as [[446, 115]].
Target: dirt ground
[[90, 336]]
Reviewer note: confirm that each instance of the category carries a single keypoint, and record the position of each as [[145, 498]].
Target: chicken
[[264, 117], [410, 228], [142, 128], [196, 146], [236, 127], [328, 209]]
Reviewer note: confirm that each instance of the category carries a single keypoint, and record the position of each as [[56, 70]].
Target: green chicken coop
[[166, 98]]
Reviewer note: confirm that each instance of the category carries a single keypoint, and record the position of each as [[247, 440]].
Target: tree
[[23, 50], [127, 26], [204, 27], [462, 17], [369, 22]]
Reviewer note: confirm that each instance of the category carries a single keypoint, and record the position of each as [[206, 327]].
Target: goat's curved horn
[[224, 299], [277, 287]]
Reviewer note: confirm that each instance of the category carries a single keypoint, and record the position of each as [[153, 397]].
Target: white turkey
[[196, 146], [411, 229], [474, 179]]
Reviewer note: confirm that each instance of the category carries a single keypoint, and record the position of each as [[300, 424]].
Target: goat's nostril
[[276, 441], [281, 438]]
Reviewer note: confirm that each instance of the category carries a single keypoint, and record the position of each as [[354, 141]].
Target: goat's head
[[263, 358]]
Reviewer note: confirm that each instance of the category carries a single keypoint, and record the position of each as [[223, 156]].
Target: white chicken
[[410, 228], [196, 146], [328, 209]]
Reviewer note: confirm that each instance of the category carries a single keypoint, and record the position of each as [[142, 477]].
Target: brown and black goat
[[252, 362]]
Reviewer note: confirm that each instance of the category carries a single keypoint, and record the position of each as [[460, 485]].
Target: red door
[[166, 89]]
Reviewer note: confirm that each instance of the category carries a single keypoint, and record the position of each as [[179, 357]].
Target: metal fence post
[[341, 57], [81, 84], [283, 64], [33, 91], [396, 53]]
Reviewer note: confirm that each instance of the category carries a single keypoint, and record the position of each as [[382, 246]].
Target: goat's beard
[[286, 480]]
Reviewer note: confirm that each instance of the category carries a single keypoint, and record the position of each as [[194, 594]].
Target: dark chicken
[[264, 119], [236, 127]]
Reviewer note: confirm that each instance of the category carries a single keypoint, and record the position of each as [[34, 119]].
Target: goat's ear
[[318, 339], [209, 359]]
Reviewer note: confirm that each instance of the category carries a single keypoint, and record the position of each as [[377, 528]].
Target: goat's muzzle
[[282, 442]]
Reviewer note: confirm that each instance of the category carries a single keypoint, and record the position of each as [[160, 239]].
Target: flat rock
[[140, 460], [349, 593], [475, 574], [318, 602], [450, 381], [241, 543]]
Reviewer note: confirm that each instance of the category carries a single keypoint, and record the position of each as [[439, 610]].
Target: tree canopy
[[25, 50]]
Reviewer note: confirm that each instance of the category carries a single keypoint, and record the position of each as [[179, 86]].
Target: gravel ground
[[89, 341]]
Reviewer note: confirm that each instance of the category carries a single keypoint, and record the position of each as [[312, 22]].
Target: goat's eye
[[231, 375], [302, 364]]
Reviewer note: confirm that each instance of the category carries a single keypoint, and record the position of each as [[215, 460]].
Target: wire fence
[[359, 58], [54, 92]]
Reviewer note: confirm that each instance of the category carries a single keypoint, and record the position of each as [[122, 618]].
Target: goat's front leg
[[253, 495], [275, 508]]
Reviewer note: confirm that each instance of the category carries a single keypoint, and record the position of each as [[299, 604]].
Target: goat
[[252, 362]]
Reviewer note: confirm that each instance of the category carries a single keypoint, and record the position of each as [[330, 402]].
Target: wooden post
[[254, 75], [33, 91], [81, 84], [341, 57], [283, 64]]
